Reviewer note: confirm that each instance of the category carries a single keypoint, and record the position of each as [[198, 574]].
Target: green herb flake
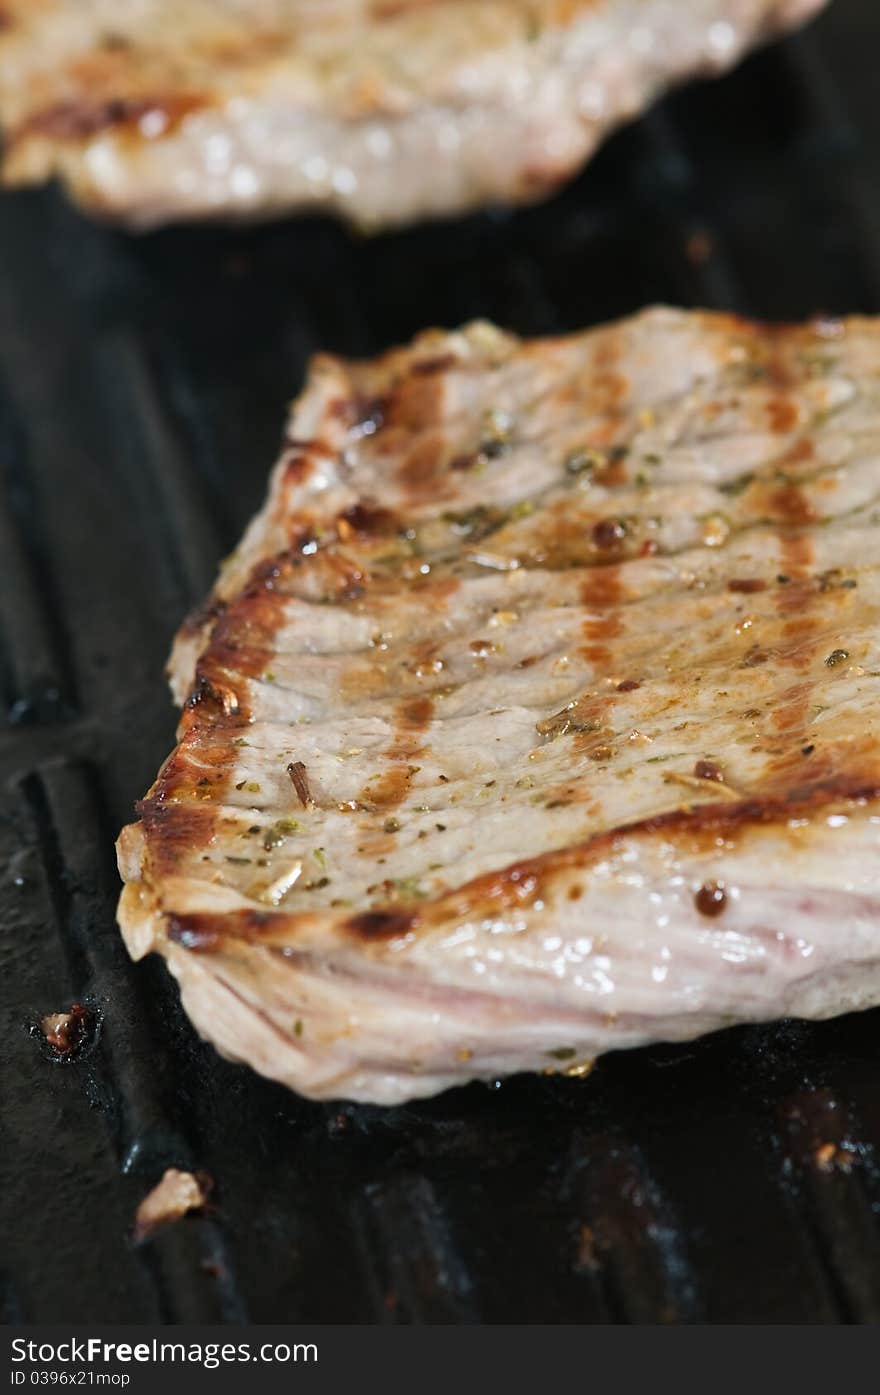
[[410, 886], [522, 509], [584, 462], [277, 832], [317, 885], [562, 1053]]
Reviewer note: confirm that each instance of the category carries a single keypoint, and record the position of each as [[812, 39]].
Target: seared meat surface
[[382, 110], [537, 713]]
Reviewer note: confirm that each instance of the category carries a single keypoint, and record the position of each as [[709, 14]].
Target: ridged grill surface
[[142, 391]]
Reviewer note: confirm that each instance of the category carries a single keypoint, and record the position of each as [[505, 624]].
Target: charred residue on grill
[[177, 1194], [66, 1036]]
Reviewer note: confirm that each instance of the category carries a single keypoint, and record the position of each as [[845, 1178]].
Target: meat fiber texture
[[536, 714], [383, 111]]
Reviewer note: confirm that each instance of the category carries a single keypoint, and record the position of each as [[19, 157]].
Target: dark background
[[143, 384]]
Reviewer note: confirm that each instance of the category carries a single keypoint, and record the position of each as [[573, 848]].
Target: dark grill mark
[[748, 586], [81, 118], [380, 925], [364, 520], [193, 932], [390, 788]]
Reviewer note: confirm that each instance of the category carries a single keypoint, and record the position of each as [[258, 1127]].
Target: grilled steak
[[537, 713], [383, 110]]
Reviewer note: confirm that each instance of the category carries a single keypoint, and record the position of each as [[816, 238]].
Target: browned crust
[[80, 118], [694, 829]]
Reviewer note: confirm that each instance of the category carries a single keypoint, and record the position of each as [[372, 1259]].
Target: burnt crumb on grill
[[298, 774], [586, 1258], [66, 1034], [699, 248], [177, 1194], [835, 1157]]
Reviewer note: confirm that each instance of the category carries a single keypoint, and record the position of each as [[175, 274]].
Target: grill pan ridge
[[142, 389]]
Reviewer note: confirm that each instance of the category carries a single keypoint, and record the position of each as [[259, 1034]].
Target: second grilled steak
[[536, 714], [381, 110]]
